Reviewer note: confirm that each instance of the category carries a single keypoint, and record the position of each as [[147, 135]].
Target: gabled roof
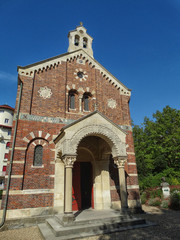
[[29, 70], [5, 106], [5, 126], [85, 117]]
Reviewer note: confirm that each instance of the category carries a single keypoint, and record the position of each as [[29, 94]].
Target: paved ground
[[168, 228]]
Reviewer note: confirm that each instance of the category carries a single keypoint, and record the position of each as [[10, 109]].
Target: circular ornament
[[80, 74], [112, 103], [45, 92]]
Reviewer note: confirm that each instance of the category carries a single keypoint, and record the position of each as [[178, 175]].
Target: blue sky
[[138, 41]]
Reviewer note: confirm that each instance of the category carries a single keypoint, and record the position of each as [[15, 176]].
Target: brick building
[[74, 146]]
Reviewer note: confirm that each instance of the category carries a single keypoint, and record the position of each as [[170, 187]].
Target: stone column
[[120, 162], [105, 179], [59, 185], [68, 163], [80, 103]]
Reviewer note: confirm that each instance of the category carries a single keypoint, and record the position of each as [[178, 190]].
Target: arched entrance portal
[[100, 137], [91, 187]]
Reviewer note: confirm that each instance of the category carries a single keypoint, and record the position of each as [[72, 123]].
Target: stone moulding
[[37, 118], [69, 146]]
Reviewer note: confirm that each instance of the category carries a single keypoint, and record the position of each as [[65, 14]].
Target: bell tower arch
[[79, 39]]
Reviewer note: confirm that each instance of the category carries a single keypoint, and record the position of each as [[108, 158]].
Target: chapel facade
[[73, 145]]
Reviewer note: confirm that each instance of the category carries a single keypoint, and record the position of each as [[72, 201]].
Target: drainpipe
[[11, 159]]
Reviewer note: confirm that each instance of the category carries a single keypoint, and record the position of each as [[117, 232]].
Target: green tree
[[157, 144]]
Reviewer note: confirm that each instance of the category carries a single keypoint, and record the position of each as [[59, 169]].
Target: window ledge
[[72, 112], [32, 166]]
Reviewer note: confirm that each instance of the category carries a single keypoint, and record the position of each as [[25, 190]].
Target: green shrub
[[143, 198], [156, 193], [165, 203], [174, 181], [175, 200], [150, 181], [154, 202]]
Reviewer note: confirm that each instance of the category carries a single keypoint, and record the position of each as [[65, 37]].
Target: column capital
[[69, 160], [120, 161]]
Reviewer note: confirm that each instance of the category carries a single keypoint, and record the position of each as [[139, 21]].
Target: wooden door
[[76, 187], [82, 187]]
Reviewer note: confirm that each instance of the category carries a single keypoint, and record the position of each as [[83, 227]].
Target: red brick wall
[[37, 177], [33, 177], [60, 79], [30, 201], [133, 194], [27, 154]]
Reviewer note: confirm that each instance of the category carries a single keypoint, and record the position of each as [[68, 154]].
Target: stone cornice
[[29, 70]]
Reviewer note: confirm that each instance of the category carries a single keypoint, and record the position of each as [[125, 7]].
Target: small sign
[[166, 192]]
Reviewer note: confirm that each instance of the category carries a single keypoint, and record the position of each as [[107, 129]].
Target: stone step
[[48, 234], [53, 230], [119, 218]]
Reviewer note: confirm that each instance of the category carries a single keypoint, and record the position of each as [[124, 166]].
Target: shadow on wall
[[114, 178]]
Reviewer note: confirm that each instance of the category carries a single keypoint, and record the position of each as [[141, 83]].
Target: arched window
[[76, 40], [84, 42], [38, 154], [72, 94], [86, 97]]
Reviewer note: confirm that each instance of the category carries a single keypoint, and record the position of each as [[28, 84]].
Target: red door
[[76, 187], [82, 186]]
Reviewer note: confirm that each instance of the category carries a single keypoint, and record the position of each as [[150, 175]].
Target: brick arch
[[38, 141], [117, 146], [37, 135]]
